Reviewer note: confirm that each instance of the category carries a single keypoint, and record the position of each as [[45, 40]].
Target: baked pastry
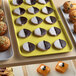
[[3, 28], [61, 67], [47, 10], [40, 32], [17, 2], [43, 70], [1, 14], [6, 72], [54, 31], [28, 47], [33, 10], [44, 45], [31, 2], [50, 19], [75, 27], [59, 44], [43, 1], [24, 33], [4, 43], [21, 20], [72, 16], [19, 11], [69, 6], [36, 20]]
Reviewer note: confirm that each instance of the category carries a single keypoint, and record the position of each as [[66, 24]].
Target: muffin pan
[[34, 39], [69, 24], [8, 53]]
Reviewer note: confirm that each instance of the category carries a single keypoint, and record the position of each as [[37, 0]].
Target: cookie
[[50, 19], [47, 10], [43, 1], [4, 43], [44, 45], [36, 20], [59, 44], [43, 70], [1, 14], [17, 2], [24, 33], [28, 47], [61, 67], [31, 2], [40, 32], [54, 31], [21, 20], [33, 10], [19, 11], [3, 28]]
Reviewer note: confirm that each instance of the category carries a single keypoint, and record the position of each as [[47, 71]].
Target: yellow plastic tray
[[32, 27]]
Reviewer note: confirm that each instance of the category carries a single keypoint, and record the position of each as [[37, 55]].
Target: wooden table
[[17, 59]]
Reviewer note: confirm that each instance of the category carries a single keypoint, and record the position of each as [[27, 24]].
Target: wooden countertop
[[17, 59]]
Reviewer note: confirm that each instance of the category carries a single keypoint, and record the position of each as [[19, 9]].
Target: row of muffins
[[4, 40], [29, 2], [70, 8], [43, 45]]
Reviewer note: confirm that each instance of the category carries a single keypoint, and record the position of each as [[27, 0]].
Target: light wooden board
[[19, 60], [31, 69]]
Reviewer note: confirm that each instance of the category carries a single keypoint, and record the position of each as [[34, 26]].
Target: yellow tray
[[32, 27]]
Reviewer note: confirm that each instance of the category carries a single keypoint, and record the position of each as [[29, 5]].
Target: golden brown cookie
[[69, 6], [3, 28], [1, 14], [75, 27], [4, 43]]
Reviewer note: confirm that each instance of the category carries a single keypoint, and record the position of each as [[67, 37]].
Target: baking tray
[[32, 27], [8, 53], [71, 71], [69, 24]]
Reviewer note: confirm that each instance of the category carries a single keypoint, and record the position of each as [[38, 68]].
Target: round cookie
[[36, 20], [21, 20], [28, 47], [17, 2], [47, 10], [50, 19], [44, 45], [33, 10], [4, 43], [3, 28], [59, 44], [19, 11], [1, 14], [40, 32], [31, 2], [54, 31], [24, 33], [43, 1]]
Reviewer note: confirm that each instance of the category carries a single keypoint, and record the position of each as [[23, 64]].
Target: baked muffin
[[75, 27], [1, 14], [72, 16], [3, 28], [4, 43], [69, 6]]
